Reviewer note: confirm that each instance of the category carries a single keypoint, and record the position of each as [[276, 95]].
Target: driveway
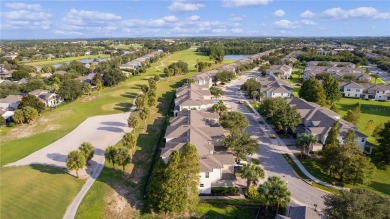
[[100, 131], [270, 154]]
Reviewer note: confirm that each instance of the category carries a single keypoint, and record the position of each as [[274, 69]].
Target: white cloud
[[23, 6], [81, 17], [279, 13], [285, 24], [170, 18], [243, 3], [361, 12], [220, 30], [236, 30], [308, 22], [194, 18], [24, 19], [236, 19], [307, 14], [178, 6], [71, 33]]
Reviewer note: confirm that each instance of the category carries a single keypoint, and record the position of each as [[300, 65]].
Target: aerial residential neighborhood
[[238, 109]]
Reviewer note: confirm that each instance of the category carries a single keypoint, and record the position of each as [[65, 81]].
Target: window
[[357, 90], [355, 95], [207, 175], [348, 89], [348, 95], [201, 185], [363, 139]]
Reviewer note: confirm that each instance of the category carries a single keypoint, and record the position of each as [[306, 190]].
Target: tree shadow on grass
[[129, 95], [124, 107], [49, 169]]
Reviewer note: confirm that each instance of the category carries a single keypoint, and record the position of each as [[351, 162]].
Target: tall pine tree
[[312, 91], [331, 88]]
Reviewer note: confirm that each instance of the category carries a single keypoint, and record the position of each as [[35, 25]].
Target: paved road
[[270, 154], [385, 76]]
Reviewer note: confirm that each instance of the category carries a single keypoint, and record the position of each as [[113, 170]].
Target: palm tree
[[110, 155], [87, 149], [219, 107], [75, 161], [275, 192], [122, 157], [252, 173], [144, 114], [129, 140], [133, 122], [304, 141]]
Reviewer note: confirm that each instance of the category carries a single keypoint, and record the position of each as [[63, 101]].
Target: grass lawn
[[377, 111], [248, 107], [20, 141], [36, 191], [300, 174], [134, 45], [378, 81], [380, 183], [60, 60], [204, 210]]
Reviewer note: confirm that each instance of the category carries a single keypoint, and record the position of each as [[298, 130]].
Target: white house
[[193, 96], [202, 130], [275, 87], [48, 98], [366, 91]]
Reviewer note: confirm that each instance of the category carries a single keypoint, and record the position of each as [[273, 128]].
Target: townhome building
[[273, 86], [339, 70], [282, 71], [11, 102], [365, 91], [202, 130], [193, 96], [318, 121]]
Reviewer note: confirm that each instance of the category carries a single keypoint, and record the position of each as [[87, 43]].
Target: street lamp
[[315, 207]]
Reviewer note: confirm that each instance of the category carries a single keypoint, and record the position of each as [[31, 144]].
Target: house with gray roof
[[339, 70], [300, 212], [318, 121], [272, 87], [282, 71], [202, 130], [193, 96], [11, 102]]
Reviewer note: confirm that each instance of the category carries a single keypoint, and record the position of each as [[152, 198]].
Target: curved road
[[270, 154]]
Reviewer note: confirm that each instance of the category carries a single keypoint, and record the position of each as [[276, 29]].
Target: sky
[[55, 19]]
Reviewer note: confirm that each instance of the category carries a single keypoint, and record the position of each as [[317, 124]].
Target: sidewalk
[[280, 146]]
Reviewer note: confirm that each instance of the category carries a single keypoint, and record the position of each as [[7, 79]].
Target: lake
[[235, 57]]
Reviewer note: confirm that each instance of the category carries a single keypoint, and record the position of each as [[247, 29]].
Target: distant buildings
[[339, 70]]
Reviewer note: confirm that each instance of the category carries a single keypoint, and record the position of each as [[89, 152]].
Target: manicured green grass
[[20, 141], [380, 182], [300, 174], [60, 60], [36, 191], [216, 211], [377, 111]]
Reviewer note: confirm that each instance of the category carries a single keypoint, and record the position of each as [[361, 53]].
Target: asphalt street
[[270, 154]]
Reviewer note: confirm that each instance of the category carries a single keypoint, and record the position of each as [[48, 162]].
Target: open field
[[60, 60], [216, 211], [36, 191], [20, 141]]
